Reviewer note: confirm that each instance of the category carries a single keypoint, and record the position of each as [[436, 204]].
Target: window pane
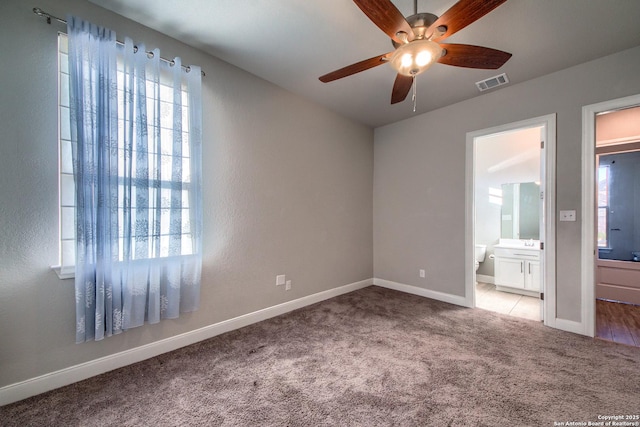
[[603, 185], [67, 190], [185, 201], [185, 143], [64, 90], [186, 170], [603, 202], [602, 227], [67, 223], [63, 43], [63, 59], [167, 168], [186, 223], [164, 221], [166, 113], [187, 245], [65, 123], [166, 93], [66, 158], [68, 255], [164, 246]]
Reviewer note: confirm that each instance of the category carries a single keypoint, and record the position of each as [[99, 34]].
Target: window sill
[[64, 273]]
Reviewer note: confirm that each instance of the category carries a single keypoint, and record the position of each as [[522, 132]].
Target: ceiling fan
[[417, 42]]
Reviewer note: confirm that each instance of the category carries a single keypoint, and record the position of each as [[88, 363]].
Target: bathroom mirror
[[520, 211]]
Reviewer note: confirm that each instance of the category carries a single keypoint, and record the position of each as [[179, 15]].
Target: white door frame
[[588, 255], [548, 255]]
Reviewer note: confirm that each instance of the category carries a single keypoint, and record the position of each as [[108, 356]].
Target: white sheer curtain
[[136, 140]]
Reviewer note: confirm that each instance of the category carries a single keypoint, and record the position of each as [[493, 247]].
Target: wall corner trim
[[33, 386], [410, 289]]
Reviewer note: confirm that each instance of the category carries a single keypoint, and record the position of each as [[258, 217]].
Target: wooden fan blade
[[460, 15], [469, 56], [355, 68], [401, 88], [387, 17]]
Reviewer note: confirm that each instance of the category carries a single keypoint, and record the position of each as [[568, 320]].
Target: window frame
[[605, 226], [66, 226]]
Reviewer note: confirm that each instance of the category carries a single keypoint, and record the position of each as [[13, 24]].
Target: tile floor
[[488, 298]]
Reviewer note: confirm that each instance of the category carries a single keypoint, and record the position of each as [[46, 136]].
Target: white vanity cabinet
[[517, 269]]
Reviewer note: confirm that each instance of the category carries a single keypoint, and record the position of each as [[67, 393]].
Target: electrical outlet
[[280, 279], [288, 286], [569, 215], [422, 274]]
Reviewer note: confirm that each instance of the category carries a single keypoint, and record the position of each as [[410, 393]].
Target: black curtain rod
[[49, 17]]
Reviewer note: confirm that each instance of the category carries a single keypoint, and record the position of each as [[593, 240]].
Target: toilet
[[481, 252]]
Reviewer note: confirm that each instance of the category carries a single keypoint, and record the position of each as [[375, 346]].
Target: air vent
[[492, 82]]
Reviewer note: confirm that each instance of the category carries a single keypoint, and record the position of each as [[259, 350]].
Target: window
[[495, 196], [66, 182], [160, 160], [133, 121], [603, 206]]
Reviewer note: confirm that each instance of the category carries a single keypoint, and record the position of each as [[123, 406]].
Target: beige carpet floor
[[374, 357]]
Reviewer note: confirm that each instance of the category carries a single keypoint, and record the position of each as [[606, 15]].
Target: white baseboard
[[518, 291], [31, 387], [440, 296], [485, 279], [619, 292]]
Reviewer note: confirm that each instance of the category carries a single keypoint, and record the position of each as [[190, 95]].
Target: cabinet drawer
[[530, 254]]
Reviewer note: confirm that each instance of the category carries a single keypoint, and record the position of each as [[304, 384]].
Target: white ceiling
[[292, 42], [508, 157]]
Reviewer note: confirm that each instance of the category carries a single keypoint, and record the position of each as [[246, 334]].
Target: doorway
[[611, 159], [510, 216]]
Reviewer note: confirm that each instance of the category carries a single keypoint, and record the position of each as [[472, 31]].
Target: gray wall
[[419, 175], [287, 190]]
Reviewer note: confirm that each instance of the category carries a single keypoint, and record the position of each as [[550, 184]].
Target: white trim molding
[[414, 290], [570, 326], [588, 254], [31, 387], [485, 279]]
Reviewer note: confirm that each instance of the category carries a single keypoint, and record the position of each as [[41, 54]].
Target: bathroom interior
[[507, 222]]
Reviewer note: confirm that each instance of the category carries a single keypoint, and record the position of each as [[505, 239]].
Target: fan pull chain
[[414, 98]]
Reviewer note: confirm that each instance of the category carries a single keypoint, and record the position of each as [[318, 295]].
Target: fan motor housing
[[420, 22]]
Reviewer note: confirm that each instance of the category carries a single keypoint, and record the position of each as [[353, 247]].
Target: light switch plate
[[280, 280], [568, 215]]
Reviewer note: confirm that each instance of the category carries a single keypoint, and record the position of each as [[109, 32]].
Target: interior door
[[540, 271]]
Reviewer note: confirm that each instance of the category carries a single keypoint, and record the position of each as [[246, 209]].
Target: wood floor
[[618, 322], [615, 321]]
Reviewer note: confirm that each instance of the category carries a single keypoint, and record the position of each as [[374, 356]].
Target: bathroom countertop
[[518, 244]]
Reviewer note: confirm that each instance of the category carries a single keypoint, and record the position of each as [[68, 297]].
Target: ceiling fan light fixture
[[423, 58], [415, 57]]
